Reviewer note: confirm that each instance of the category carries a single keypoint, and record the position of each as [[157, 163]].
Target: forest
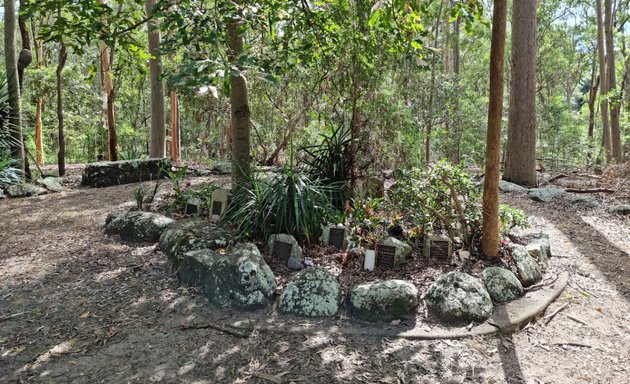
[[269, 191]]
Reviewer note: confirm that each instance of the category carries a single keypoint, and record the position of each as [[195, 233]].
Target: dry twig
[[550, 317], [217, 328]]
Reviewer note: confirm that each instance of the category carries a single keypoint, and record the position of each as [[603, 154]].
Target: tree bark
[[240, 114], [157, 147], [108, 94], [521, 145], [39, 135], [174, 125], [490, 227], [615, 132], [61, 155], [13, 86], [603, 82]]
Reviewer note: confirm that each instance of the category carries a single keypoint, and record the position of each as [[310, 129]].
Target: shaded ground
[[90, 309]]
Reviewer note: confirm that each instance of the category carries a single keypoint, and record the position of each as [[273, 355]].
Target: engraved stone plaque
[[217, 208], [440, 249], [336, 237], [282, 250], [386, 256]]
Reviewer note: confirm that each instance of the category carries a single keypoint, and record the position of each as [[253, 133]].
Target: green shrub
[[289, 202]]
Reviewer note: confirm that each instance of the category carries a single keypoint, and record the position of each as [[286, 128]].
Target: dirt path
[[89, 309]]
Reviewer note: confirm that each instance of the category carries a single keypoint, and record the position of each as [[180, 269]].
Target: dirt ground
[[79, 307]]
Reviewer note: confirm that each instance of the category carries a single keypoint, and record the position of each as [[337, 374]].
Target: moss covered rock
[[384, 300], [312, 293], [459, 297], [502, 284], [109, 173], [138, 226], [526, 266], [189, 235]]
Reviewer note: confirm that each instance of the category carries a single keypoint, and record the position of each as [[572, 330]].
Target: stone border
[[506, 318]]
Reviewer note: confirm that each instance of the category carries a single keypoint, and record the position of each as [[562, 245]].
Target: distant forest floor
[[79, 307]]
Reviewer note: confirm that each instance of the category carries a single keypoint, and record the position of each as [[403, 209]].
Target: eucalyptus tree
[[157, 147], [13, 86]]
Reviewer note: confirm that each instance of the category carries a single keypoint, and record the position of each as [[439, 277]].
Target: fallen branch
[[577, 320], [12, 316], [554, 178], [593, 190], [574, 345], [550, 317], [217, 328]]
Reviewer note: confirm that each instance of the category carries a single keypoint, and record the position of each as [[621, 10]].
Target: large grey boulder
[[583, 201], [545, 195], [109, 173], [296, 250], [539, 248], [508, 187], [192, 234], [459, 297], [313, 292], [24, 190], [620, 209], [527, 268], [138, 226], [222, 168], [384, 300], [239, 279], [502, 284], [52, 184]]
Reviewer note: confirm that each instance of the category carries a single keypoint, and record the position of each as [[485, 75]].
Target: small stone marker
[[438, 246], [193, 206], [386, 256], [336, 237], [282, 250], [219, 203]]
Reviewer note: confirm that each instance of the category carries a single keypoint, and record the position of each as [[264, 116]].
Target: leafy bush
[[289, 202], [511, 218]]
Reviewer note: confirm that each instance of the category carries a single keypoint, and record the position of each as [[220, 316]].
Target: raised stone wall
[[109, 173]]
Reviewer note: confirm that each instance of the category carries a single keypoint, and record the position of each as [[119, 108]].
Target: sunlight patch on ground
[[57, 350], [610, 230], [108, 275]]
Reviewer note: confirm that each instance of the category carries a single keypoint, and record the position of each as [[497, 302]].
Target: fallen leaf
[[85, 315]]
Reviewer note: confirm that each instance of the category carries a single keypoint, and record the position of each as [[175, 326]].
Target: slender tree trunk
[[603, 82], [592, 97], [39, 135], [429, 116], [490, 227], [615, 132], [13, 86], [521, 145], [240, 114], [108, 93], [174, 125], [61, 156], [158, 128]]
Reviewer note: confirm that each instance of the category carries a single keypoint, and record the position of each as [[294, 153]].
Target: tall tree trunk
[[521, 145], [240, 114], [13, 86], [24, 60], [429, 116], [490, 211], [39, 135], [61, 156], [603, 82], [615, 132], [174, 125], [108, 93], [158, 128], [592, 97]]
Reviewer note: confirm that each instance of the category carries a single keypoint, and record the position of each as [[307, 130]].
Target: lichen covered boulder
[[241, 279], [502, 284], [459, 297], [192, 234], [384, 300], [545, 195], [24, 190], [584, 201], [539, 248], [620, 209], [52, 184], [313, 292], [508, 187], [138, 226], [527, 268], [109, 173], [196, 267]]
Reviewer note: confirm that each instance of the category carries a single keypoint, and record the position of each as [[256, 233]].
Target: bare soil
[[79, 307]]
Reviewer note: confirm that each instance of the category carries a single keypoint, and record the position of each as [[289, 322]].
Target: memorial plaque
[[217, 208], [282, 250], [386, 256], [192, 209], [440, 249], [336, 237]]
